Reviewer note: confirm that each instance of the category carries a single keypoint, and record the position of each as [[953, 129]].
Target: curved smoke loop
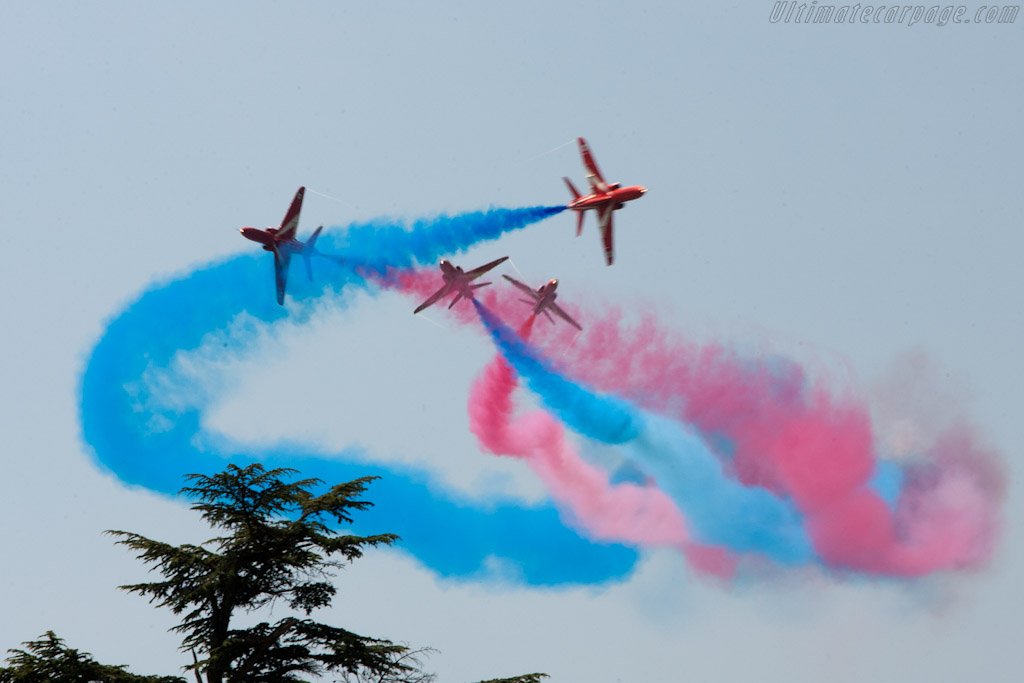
[[743, 459]]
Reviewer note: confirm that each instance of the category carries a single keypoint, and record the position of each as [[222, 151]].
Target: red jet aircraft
[[282, 242], [544, 299], [604, 198], [457, 280]]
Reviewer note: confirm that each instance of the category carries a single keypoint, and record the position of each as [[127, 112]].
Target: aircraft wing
[[477, 272], [434, 298], [604, 221], [291, 219], [593, 174], [560, 312], [523, 287], [281, 261]]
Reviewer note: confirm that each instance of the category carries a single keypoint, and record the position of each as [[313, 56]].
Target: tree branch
[[286, 624]]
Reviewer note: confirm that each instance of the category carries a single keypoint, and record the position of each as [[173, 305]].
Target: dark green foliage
[[278, 547], [49, 660], [525, 678], [408, 668]]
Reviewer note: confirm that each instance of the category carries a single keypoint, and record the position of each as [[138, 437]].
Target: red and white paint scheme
[[458, 280], [603, 198], [282, 242], [543, 300]]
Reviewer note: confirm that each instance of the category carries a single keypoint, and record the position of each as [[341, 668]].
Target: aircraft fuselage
[[546, 296], [616, 196], [269, 240], [455, 278], [459, 281]]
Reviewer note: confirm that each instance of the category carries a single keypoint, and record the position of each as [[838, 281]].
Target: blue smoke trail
[[604, 418], [380, 244], [146, 440], [720, 510]]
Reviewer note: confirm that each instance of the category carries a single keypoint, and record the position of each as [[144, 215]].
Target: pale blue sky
[[846, 194]]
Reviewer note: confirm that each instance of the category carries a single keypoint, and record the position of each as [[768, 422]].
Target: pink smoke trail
[[795, 437], [624, 512], [785, 431]]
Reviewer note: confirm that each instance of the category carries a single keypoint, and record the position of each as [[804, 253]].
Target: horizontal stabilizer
[[572, 188], [308, 250], [312, 238]]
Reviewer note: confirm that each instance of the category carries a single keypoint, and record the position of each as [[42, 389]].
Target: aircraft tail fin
[[309, 250], [572, 188], [468, 293]]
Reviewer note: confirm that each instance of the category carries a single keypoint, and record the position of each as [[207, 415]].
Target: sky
[[846, 196]]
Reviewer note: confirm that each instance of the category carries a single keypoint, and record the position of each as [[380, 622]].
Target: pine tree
[[49, 660], [278, 547]]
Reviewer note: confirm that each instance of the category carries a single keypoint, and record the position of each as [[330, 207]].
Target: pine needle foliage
[[278, 547], [49, 660]]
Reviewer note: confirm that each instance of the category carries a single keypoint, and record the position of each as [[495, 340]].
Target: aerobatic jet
[[458, 280], [603, 198], [282, 242], [543, 300]]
